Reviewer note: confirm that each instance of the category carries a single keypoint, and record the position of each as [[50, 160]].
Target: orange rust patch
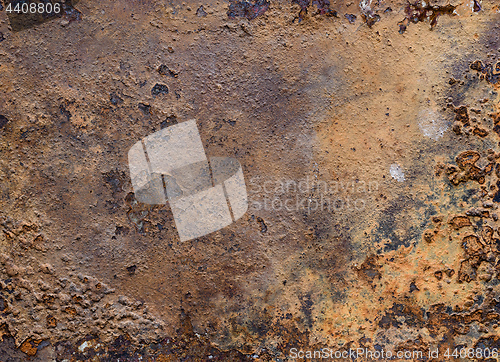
[[51, 321], [30, 346], [70, 310], [459, 222]]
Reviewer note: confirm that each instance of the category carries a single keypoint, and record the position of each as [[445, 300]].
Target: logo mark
[[205, 195]]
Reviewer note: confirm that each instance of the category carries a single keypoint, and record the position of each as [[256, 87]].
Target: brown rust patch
[[420, 10], [30, 346], [458, 222], [247, 9], [51, 321]]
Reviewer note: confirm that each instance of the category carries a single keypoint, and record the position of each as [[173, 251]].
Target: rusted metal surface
[[382, 116]]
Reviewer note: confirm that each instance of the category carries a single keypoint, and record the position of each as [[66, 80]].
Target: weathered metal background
[[345, 93]]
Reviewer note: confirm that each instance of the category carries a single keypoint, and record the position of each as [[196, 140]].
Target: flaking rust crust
[[334, 92]]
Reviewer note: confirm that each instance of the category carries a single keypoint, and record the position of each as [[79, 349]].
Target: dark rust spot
[[477, 6], [369, 271], [164, 70], [145, 108], [438, 274], [421, 10], [3, 121], [159, 89], [247, 9], [201, 12], [351, 18], [131, 269], [263, 226], [323, 7]]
